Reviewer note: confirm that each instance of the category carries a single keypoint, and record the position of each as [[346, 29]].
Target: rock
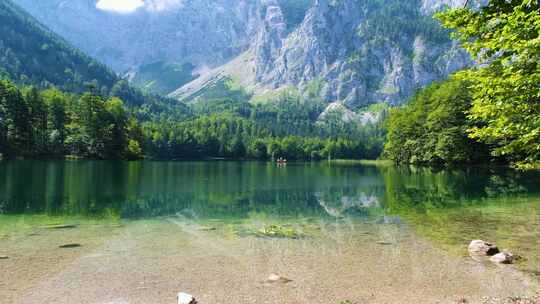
[[479, 247], [74, 245], [4, 257], [185, 298], [503, 258], [275, 278]]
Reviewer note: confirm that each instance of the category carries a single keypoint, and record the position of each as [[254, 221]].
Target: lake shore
[[352, 261], [140, 232]]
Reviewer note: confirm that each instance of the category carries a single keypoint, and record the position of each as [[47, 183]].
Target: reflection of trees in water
[[409, 188], [233, 189], [143, 189], [452, 206]]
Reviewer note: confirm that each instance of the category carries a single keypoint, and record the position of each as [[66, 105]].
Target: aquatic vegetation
[[279, 231]]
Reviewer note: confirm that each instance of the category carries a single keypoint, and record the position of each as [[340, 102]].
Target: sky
[[130, 6]]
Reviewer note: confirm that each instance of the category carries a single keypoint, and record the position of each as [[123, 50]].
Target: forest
[[52, 123], [488, 113]]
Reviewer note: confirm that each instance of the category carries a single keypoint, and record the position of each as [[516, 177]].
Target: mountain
[[32, 54], [202, 32], [351, 52]]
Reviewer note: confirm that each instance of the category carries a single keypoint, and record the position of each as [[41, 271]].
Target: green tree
[[257, 149], [504, 37], [38, 123], [15, 120], [57, 103], [432, 127]]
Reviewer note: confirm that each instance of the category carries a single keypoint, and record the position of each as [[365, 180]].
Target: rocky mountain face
[[350, 52], [359, 56], [201, 32]]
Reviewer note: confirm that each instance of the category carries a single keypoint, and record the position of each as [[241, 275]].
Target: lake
[[140, 232]]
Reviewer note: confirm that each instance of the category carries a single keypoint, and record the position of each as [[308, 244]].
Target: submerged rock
[[207, 229], [185, 298], [275, 278], [74, 245], [481, 248], [63, 226], [503, 258]]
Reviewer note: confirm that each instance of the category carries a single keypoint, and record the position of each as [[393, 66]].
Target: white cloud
[[120, 6], [129, 6]]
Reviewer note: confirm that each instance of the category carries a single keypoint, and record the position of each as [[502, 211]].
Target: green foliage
[[396, 21], [504, 37], [279, 231], [53, 123], [134, 150], [432, 127], [32, 55], [232, 136]]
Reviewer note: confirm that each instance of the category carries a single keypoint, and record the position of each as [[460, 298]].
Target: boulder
[[479, 247], [4, 257], [185, 298], [503, 258]]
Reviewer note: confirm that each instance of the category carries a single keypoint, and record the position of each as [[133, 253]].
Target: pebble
[[186, 298], [275, 278]]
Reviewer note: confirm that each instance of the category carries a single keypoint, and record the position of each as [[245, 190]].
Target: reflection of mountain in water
[[338, 208], [236, 189]]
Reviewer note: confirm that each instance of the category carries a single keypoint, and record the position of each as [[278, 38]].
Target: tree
[[432, 127], [257, 149], [91, 130], [118, 120], [57, 119], [134, 150], [38, 123], [503, 37], [16, 117]]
